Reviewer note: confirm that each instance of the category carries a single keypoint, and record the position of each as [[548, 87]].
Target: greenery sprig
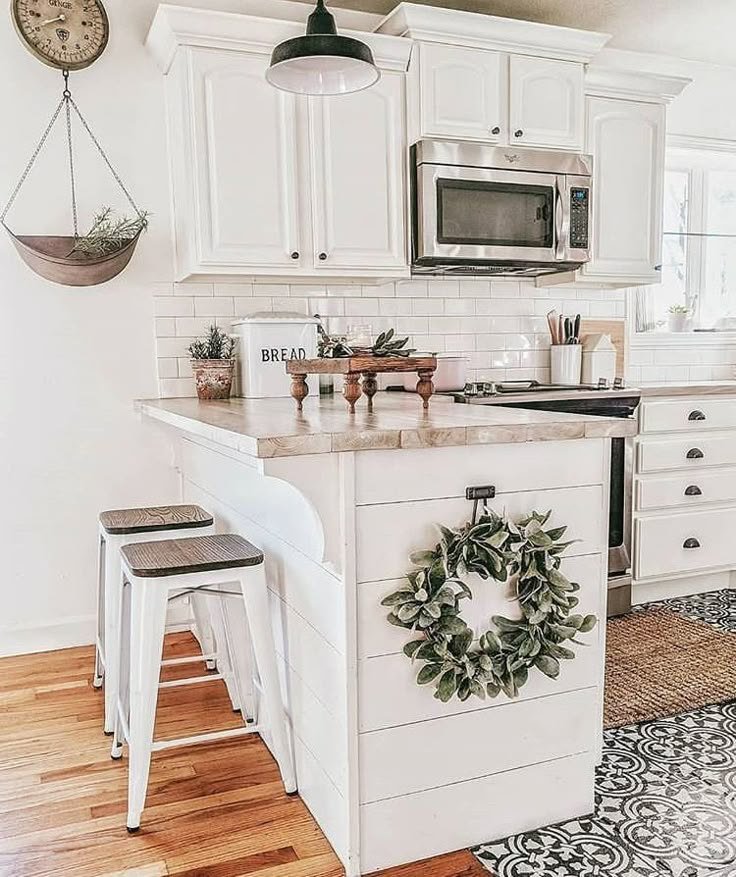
[[493, 547], [217, 345], [109, 233], [387, 344]]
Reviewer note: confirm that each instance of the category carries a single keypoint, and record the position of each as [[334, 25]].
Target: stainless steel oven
[[484, 209]]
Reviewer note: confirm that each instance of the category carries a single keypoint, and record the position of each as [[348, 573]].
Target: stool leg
[[100, 636], [147, 629], [224, 656], [203, 626], [123, 696], [255, 595], [113, 587]]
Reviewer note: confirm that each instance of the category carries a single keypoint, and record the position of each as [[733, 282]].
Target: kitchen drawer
[[660, 543], [401, 475], [686, 489], [687, 452], [687, 415]]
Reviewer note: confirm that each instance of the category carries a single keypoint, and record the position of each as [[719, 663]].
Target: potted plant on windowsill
[[677, 318], [213, 364]]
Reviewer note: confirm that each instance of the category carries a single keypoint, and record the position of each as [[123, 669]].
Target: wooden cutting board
[[617, 331]]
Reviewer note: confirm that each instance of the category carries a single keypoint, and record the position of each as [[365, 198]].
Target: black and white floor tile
[[665, 796]]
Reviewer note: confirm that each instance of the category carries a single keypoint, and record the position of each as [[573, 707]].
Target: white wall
[[73, 360]]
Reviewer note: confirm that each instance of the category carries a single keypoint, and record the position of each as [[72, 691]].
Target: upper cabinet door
[[627, 139], [546, 104], [358, 158], [245, 161], [463, 93]]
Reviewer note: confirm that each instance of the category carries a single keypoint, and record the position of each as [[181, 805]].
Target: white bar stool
[[121, 527], [153, 573]]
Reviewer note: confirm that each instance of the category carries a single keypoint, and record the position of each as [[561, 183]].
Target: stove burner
[[500, 388]]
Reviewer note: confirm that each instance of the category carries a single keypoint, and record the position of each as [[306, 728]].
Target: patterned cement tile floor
[[665, 796]]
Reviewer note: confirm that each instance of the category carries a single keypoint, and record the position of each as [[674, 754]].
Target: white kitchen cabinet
[[357, 151], [477, 94], [245, 165], [684, 496], [267, 183], [463, 93], [546, 102], [627, 141]]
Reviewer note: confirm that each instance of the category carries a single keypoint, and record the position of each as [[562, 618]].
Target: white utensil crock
[[565, 363]]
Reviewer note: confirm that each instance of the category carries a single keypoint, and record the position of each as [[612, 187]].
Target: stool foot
[[211, 665], [108, 733], [294, 794], [132, 830], [117, 756], [97, 683]]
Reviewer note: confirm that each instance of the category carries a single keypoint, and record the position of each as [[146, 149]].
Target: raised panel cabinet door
[[357, 149], [463, 93], [246, 164], [627, 140], [546, 103]]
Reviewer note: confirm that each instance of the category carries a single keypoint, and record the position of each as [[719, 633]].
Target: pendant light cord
[[68, 103]]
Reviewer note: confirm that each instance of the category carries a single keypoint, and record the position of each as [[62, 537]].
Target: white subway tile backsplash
[[500, 324], [213, 307], [173, 306], [194, 289]]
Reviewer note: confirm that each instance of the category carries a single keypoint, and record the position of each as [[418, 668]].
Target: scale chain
[[104, 156], [32, 161], [67, 101]]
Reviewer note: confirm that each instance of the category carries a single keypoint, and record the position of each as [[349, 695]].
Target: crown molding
[[601, 81], [175, 27], [474, 29]]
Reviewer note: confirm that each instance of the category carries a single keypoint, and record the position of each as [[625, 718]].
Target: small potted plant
[[213, 364], [677, 318]]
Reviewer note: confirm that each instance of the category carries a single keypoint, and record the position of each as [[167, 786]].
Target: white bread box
[[266, 341]]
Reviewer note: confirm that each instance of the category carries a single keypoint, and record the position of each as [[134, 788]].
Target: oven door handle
[[562, 221]]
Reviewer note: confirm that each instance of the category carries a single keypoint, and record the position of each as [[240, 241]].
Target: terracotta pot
[[214, 377]]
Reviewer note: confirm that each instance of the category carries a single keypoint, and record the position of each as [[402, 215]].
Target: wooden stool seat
[[154, 519], [175, 557]]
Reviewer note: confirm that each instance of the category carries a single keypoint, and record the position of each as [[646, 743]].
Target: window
[[698, 245]]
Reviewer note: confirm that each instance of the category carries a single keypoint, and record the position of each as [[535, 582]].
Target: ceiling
[[699, 30]]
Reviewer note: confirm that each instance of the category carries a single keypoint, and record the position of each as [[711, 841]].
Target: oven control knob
[[518, 133], [618, 383], [602, 383]]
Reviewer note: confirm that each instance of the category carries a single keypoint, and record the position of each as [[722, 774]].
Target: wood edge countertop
[[699, 388], [267, 428]]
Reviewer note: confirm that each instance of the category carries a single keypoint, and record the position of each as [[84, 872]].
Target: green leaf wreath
[[500, 660]]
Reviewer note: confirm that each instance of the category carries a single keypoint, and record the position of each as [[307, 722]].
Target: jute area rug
[[659, 663]]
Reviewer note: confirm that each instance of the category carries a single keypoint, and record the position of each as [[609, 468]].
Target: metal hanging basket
[[54, 257]]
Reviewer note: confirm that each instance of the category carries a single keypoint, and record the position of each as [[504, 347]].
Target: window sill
[[682, 339]]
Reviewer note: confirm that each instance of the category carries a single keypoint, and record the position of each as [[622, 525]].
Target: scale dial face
[[67, 34]]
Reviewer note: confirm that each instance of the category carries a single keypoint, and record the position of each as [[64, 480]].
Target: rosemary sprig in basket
[[109, 233]]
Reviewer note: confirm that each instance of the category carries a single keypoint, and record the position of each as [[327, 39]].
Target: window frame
[[697, 171]]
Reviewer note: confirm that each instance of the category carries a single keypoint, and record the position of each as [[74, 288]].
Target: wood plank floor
[[215, 810]]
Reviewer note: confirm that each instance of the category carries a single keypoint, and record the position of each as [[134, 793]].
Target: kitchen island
[[338, 503]]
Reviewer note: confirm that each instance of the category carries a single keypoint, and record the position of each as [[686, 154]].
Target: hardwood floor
[[212, 811]]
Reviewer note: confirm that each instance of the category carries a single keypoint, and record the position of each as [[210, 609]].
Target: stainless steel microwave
[[498, 210]]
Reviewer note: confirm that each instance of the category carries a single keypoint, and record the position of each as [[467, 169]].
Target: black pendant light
[[322, 61]]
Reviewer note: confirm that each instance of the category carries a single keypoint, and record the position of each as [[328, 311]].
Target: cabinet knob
[[495, 130], [295, 255], [691, 543], [695, 454], [693, 490], [518, 133], [696, 415], [322, 257]]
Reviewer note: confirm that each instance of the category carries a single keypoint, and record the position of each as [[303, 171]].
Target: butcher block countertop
[[273, 428]]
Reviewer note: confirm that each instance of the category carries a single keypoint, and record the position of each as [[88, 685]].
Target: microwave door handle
[[562, 220]]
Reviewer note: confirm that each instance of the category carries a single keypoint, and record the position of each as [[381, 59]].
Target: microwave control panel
[[579, 214]]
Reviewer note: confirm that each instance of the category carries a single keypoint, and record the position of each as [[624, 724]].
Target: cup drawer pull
[[693, 490], [691, 543], [695, 454], [696, 415]]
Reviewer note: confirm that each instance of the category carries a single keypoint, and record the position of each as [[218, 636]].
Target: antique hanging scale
[[70, 35]]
